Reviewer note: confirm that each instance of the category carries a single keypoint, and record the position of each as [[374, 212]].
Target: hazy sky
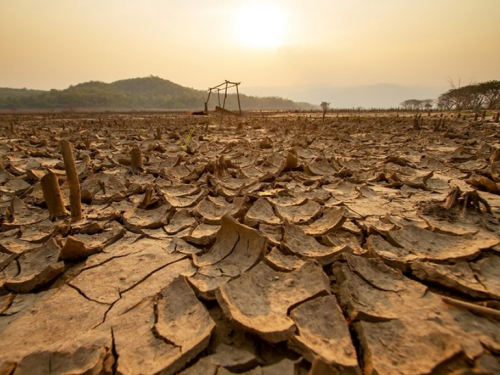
[[198, 43]]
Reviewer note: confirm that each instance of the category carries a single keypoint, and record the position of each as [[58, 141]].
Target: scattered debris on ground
[[279, 244]]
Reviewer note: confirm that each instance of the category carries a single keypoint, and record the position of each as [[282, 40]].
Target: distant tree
[[412, 104], [324, 106], [427, 103], [491, 92]]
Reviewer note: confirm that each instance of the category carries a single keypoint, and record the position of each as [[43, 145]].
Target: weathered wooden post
[[136, 159], [52, 195], [73, 182]]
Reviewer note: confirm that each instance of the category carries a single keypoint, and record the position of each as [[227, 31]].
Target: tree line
[[415, 104], [477, 96]]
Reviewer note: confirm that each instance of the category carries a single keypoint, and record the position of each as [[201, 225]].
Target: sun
[[260, 26]]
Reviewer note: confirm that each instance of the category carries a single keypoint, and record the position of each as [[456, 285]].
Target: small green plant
[[185, 145]]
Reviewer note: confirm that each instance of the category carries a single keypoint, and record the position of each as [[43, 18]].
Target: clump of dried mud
[[262, 244]]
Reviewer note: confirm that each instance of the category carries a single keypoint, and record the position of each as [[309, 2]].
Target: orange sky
[[198, 43]]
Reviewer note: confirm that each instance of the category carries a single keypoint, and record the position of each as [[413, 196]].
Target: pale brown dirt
[[266, 244]]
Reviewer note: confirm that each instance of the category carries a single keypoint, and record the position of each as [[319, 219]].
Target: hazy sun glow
[[260, 26]]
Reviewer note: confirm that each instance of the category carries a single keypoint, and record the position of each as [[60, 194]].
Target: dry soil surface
[[361, 244]]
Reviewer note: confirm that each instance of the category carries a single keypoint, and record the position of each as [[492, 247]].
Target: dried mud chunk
[[203, 234], [12, 245], [459, 277], [302, 214], [419, 182], [139, 350], [10, 271], [259, 300], [184, 201], [211, 211], [288, 200], [37, 268], [395, 347], [437, 247], [319, 168], [453, 229], [179, 172], [226, 359], [182, 320], [102, 188], [295, 241], [283, 367], [14, 186], [180, 190], [273, 233], [180, 221], [88, 355], [137, 218], [150, 287], [6, 258], [261, 212], [183, 247], [68, 314], [366, 207], [86, 226], [460, 154], [123, 273], [395, 257], [363, 300], [97, 242], [374, 225], [201, 368], [488, 364], [281, 262], [343, 237], [418, 310], [24, 215], [332, 219], [75, 249], [237, 248], [377, 274], [487, 272], [322, 330]]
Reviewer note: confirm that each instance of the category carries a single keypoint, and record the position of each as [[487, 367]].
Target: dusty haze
[[53, 44]]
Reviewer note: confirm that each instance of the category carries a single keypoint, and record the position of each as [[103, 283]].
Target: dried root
[[456, 204], [468, 201]]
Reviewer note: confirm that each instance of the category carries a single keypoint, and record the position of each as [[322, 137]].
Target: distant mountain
[[150, 86], [136, 93], [367, 96]]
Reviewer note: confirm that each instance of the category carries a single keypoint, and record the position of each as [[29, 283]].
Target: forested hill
[[6, 92], [136, 93]]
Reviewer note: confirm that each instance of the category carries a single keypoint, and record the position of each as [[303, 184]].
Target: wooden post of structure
[[73, 182], [208, 99], [225, 96], [238, 96]]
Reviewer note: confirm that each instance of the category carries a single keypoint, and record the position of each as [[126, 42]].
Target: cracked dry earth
[[268, 245]]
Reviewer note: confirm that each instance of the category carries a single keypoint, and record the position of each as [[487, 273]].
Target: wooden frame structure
[[227, 85]]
